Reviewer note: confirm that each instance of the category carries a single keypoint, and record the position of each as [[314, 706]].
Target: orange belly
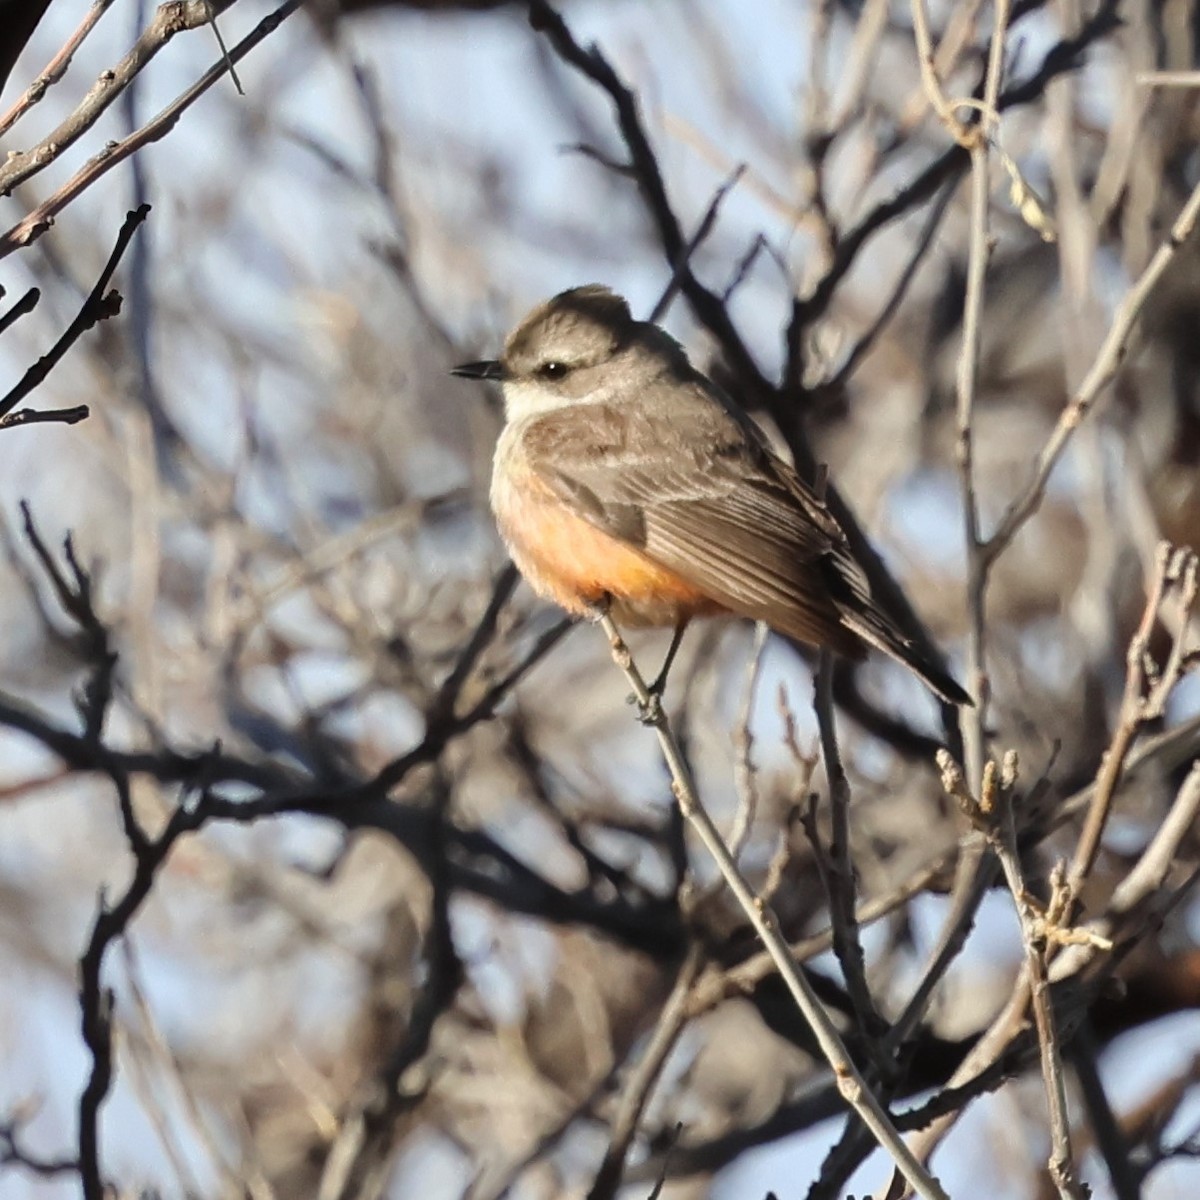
[[569, 561]]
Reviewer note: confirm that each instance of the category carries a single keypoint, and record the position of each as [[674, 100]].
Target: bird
[[626, 481]]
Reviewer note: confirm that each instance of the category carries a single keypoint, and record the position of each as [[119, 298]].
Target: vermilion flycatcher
[[624, 477]]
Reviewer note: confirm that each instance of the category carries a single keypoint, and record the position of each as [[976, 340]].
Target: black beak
[[488, 369]]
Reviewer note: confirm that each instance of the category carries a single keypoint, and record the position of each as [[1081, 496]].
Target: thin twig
[[26, 304], [1175, 569], [975, 870], [992, 812], [194, 1118], [169, 20], [1163, 753], [73, 588], [357, 1158], [707, 305], [1168, 79], [746, 776], [46, 416], [850, 1082], [1101, 373], [55, 69], [14, 1153], [332, 551], [99, 306], [973, 720], [1150, 872], [707, 223], [965, 136], [39, 219], [670, 1024], [847, 945], [96, 1001], [448, 694], [871, 334], [1108, 1136], [233, 75], [744, 977], [972, 879]]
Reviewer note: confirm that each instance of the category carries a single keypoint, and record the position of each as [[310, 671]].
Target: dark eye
[[553, 370]]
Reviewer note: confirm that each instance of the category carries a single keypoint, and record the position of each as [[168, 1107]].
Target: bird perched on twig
[[626, 480]]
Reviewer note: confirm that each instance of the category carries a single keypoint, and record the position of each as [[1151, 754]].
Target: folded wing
[[707, 502], [700, 493]]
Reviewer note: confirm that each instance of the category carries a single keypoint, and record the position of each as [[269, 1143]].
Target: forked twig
[[55, 69], [992, 813], [850, 1082], [1144, 698], [1102, 372], [39, 219], [99, 306]]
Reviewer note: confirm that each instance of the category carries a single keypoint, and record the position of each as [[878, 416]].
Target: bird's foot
[[658, 688], [597, 610], [650, 710]]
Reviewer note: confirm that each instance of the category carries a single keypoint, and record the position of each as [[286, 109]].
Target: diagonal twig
[[99, 306], [56, 68], [847, 944], [169, 20], [39, 219], [670, 1024], [1103, 370], [850, 1082]]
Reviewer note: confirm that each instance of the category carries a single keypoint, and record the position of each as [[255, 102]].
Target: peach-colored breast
[[569, 561]]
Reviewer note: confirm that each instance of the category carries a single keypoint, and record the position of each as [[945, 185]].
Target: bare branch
[[56, 68], [847, 944], [47, 416], [1103, 370], [171, 18], [39, 219], [642, 1079], [99, 306], [850, 1082]]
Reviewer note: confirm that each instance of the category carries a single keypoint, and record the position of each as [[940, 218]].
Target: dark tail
[[876, 630]]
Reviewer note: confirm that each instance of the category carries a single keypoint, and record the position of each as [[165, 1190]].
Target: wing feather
[[694, 487], [704, 501]]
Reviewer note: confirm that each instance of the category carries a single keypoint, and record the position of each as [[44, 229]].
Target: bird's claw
[[597, 610], [650, 710]]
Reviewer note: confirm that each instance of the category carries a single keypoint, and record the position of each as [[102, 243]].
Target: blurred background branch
[[334, 865]]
